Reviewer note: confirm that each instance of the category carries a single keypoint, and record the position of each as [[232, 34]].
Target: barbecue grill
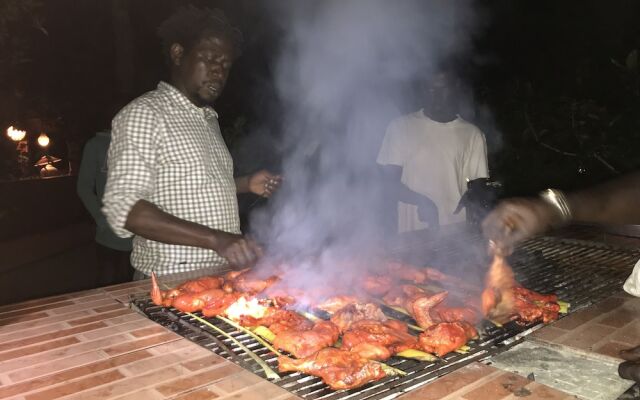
[[579, 272]]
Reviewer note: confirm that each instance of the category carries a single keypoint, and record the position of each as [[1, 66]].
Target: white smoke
[[345, 70]]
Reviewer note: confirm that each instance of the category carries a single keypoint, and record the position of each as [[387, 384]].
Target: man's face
[[202, 71], [441, 101]]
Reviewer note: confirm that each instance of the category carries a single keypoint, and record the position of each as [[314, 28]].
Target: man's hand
[[517, 219], [428, 212], [264, 183], [630, 369], [237, 249]]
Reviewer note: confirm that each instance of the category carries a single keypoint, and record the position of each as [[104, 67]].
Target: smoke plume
[[346, 68]]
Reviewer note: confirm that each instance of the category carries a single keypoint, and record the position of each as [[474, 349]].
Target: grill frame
[[544, 264]]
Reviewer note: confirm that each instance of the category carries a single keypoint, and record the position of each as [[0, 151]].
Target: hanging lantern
[[15, 134], [43, 140]]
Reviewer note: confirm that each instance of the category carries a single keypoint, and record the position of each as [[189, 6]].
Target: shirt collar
[[180, 100]]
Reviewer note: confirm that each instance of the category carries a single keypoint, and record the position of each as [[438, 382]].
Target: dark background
[[556, 84]]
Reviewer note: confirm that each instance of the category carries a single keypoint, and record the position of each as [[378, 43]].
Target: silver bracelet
[[558, 200]]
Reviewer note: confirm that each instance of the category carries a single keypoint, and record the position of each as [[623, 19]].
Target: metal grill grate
[[581, 273]]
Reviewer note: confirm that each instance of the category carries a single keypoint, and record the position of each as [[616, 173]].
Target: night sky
[[554, 59]]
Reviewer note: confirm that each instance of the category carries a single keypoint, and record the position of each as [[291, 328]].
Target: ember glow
[[244, 307]]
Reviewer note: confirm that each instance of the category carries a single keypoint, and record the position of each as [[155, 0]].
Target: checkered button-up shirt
[[171, 153]]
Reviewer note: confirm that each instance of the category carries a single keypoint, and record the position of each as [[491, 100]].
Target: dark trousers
[[114, 266]]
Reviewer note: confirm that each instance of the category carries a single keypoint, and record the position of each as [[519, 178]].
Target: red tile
[[77, 386], [587, 337], [44, 307], [148, 331], [611, 349], [451, 383], [200, 394], [203, 362], [25, 351], [619, 317], [57, 355], [72, 373], [140, 344], [22, 318], [549, 333], [542, 392], [578, 318], [236, 382], [16, 344], [193, 381], [630, 334], [33, 303], [500, 387], [100, 317], [116, 306], [34, 369], [132, 384]]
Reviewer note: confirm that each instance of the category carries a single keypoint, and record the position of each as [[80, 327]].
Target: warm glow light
[[43, 140], [15, 134], [243, 307]]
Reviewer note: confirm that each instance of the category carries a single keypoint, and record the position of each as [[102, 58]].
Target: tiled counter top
[[90, 345]]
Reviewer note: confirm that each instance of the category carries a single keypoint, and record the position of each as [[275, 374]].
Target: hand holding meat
[[263, 183], [518, 219], [237, 249]]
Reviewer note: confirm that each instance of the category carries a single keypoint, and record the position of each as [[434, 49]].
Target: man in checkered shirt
[[170, 175]]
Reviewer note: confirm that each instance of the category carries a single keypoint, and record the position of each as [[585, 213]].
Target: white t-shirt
[[436, 160]]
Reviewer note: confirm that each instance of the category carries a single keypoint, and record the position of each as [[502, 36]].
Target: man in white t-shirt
[[429, 156]]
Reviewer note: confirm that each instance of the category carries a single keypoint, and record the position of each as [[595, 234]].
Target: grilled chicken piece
[[399, 295], [498, 297], [445, 313], [377, 285], [201, 284], [530, 295], [278, 321], [247, 281], [406, 272], [446, 337], [220, 304], [185, 298], [303, 343], [356, 312], [530, 306], [335, 303], [420, 305], [376, 340], [338, 368]]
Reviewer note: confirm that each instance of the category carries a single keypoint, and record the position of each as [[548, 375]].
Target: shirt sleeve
[[475, 164], [392, 149], [86, 186], [130, 163]]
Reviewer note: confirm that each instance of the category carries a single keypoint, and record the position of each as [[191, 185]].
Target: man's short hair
[[188, 25]]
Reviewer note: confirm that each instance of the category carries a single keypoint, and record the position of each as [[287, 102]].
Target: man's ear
[[176, 51]]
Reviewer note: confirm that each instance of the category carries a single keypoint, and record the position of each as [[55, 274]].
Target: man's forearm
[[147, 220], [407, 195], [615, 202], [242, 184]]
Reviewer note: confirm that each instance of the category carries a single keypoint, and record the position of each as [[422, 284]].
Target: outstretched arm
[[615, 202]]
